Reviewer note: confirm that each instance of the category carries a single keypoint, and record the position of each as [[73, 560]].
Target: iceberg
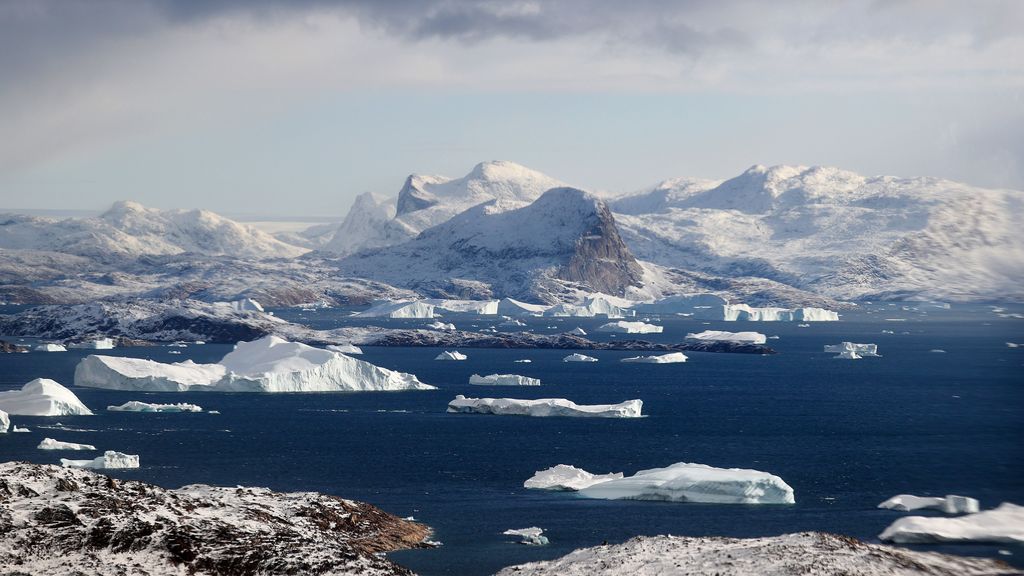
[[951, 504], [532, 536], [723, 336], [522, 361], [588, 309], [98, 344], [623, 327], [579, 358], [20, 429], [50, 347], [42, 397], [544, 407], [670, 358], [1004, 524], [136, 406], [742, 312], [511, 323], [565, 477], [270, 364], [401, 309], [345, 348], [510, 307], [109, 461], [577, 331], [851, 350], [503, 380], [681, 304], [684, 482], [5, 422], [446, 355], [477, 307], [51, 444], [449, 327]]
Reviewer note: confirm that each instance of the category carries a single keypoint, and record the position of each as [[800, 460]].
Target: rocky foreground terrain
[[60, 521]]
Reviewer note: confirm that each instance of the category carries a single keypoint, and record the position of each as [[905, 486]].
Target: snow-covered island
[[544, 407]]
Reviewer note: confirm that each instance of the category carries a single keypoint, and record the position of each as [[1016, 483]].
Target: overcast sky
[[293, 108]]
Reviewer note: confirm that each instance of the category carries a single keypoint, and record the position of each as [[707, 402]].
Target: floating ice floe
[[345, 348], [565, 477], [402, 309], [98, 344], [136, 406], [1012, 345], [42, 397], [670, 358], [532, 536], [684, 482], [503, 380], [544, 407], [109, 461], [579, 358], [950, 504], [269, 364], [577, 331], [937, 351], [624, 327], [50, 347], [446, 355], [724, 336], [51, 444], [1004, 524]]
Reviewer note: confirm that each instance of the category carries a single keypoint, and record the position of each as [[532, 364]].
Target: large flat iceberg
[[624, 327], [742, 312], [1004, 524], [670, 358], [269, 364], [503, 380], [51, 444], [950, 504], [109, 461], [544, 407], [42, 397], [684, 482], [724, 336], [565, 477], [136, 406]]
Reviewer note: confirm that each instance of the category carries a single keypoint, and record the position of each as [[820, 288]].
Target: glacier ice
[[42, 397], [109, 461], [670, 358], [565, 477], [136, 406], [623, 327], [685, 482], [577, 357], [51, 444], [532, 536], [950, 504], [503, 380], [1004, 524], [50, 347], [446, 355], [544, 407], [724, 336]]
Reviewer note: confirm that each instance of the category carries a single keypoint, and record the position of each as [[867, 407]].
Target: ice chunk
[[577, 331], [503, 380], [723, 336], [42, 397], [401, 309], [98, 344], [5, 422], [951, 504], [532, 536], [136, 406], [670, 358], [1004, 524], [852, 350], [345, 348], [565, 477], [512, 323], [523, 361], [544, 407], [446, 355], [50, 347], [109, 461], [579, 358], [449, 327], [51, 444], [623, 327], [20, 429], [684, 482], [116, 373]]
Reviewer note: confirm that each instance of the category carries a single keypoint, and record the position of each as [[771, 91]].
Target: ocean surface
[[941, 412]]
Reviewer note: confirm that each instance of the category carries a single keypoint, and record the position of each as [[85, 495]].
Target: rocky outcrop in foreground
[[62, 521], [807, 554]]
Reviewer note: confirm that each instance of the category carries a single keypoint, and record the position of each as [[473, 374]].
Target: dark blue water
[[845, 434]]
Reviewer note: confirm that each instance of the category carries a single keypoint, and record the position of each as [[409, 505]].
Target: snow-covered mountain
[[130, 230], [425, 201], [501, 248]]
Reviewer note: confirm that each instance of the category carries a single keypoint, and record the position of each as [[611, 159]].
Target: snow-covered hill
[[130, 230]]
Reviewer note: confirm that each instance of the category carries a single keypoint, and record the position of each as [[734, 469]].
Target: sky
[[293, 108]]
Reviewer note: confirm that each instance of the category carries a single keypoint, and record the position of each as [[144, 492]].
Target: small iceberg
[[50, 347], [98, 344], [579, 358], [684, 482], [42, 397], [544, 407], [503, 380], [724, 336], [565, 477], [852, 350], [1002, 525], [951, 504], [5, 422], [443, 327], [109, 461], [511, 323], [577, 331], [136, 406], [345, 348], [671, 358], [51, 444], [450, 356], [523, 361], [532, 536], [937, 351], [624, 327]]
